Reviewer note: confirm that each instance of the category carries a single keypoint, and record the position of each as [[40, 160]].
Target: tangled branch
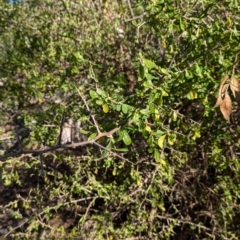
[[58, 146]]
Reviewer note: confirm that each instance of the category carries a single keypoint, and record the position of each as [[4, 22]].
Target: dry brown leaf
[[234, 85], [222, 90], [235, 88], [226, 106]]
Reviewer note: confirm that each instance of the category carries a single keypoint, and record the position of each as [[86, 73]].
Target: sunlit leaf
[[105, 108], [161, 141], [156, 112], [148, 128], [192, 95], [171, 139], [161, 207], [197, 134], [164, 93], [114, 171], [175, 115]]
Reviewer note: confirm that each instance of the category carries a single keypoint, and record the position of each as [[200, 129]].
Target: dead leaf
[[222, 90], [234, 85], [235, 88], [226, 106]]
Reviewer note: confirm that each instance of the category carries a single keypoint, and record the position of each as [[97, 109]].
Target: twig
[[139, 26], [130, 8], [70, 202], [83, 200], [6, 138], [20, 225], [183, 116], [92, 116], [88, 208], [132, 238], [113, 153], [234, 64], [183, 222], [41, 162], [150, 185], [19, 140], [135, 18], [61, 129]]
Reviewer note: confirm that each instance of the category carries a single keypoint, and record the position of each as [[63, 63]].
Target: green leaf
[[174, 116], [149, 76], [101, 92], [198, 70], [78, 56], [83, 131], [126, 138], [159, 133], [92, 136], [163, 71], [120, 149], [93, 94], [181, 24], [99, 102], [118, 108], [145, 111], [149, 64], [156, 155], [134, 23], [126, 108]]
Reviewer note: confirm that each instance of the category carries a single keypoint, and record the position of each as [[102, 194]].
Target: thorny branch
[[64, 146], [59, 146]]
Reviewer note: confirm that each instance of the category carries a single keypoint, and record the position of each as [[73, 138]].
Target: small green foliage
[[131, 85]]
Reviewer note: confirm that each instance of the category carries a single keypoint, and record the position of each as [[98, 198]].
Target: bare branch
[[13, 229], [65, 146], [130, 8]]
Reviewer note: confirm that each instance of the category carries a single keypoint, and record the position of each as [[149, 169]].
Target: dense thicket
[[107, 120]]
